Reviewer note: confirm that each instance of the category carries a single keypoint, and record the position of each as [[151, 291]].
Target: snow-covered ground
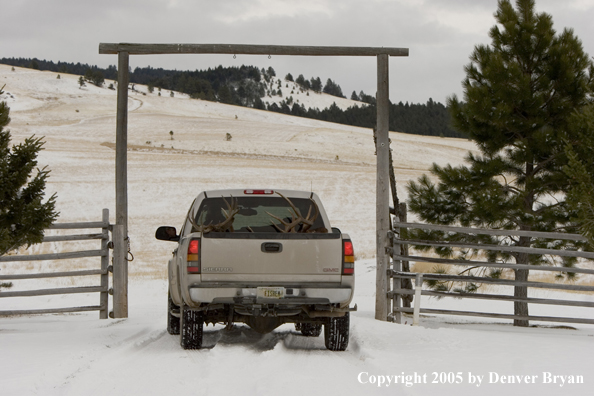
[[78, 354]]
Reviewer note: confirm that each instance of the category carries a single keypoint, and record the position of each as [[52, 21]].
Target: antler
[[297, 219], [225, 225], [230, 213]]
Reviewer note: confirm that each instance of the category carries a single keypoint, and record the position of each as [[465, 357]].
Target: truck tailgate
[[278, 258]]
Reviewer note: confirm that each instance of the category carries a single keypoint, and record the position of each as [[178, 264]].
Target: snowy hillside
[[78, 354], [291, 92]]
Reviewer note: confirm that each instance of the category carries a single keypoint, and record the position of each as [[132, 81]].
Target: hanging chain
[[129, 253]]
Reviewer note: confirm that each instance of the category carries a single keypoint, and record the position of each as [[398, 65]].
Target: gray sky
[[440, 35]]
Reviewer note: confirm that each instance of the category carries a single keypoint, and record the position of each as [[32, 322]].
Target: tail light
[[348, 258], [193, 258], [258, 192]]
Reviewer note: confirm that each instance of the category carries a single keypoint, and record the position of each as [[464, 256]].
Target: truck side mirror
[[166, 233]]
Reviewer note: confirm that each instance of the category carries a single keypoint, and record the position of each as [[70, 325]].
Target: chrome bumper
[[249, 295]]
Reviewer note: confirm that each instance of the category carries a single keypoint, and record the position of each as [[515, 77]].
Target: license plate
[[271, 292]]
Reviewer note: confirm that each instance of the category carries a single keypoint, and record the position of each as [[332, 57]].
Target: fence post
[[103, 296], [120, 273], [382, 189], [418, 289]]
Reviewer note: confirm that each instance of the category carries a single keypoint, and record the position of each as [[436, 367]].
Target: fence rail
[[398, 292], [102, 272]]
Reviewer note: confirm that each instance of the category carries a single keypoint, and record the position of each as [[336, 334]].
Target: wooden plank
[[397, 283], [54, 274], [66, 238], [469, 230], [382, 188], [505, 282], [103, 296], [49, 292], [498, 297], [120, 274], [54, 256], [246, 49], [500, 316], [51, 310], [498, 248], [75, 226], [494, 265]]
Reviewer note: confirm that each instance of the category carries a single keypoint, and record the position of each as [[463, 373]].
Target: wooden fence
[[401, 256], [102, 272]]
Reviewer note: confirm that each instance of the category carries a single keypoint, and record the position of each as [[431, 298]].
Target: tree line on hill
[[430, 119], [249, 86]]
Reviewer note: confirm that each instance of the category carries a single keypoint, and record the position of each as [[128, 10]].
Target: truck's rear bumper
[[249, 295]]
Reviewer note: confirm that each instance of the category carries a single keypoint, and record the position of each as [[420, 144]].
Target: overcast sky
[[440, 35]]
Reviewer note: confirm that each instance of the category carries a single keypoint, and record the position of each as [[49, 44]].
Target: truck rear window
[[254, 213]]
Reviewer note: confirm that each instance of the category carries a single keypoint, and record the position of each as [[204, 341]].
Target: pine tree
[[95, 77], [23, 214], [316, 84], [580, 170], [301, 80], [331, 88], [519, 95], [225, 95]]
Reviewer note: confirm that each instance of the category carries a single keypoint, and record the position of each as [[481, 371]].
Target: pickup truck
[[263, 258]]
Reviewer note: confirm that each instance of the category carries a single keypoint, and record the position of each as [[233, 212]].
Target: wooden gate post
[[383, 189], [122, 143], [120, 273]]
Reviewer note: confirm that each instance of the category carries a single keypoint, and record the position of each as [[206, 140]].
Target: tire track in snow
[[117, 357]]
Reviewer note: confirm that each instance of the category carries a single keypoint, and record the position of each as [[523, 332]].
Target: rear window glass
[[254, 213]]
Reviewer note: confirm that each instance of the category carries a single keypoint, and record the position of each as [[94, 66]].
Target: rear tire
[[173, 322], [336, 333], [192, 323], [311, 329]]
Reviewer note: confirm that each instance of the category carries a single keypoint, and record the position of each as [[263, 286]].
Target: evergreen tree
[[225, 95], [316, 84], [289, 77], [331, 88], [354, 96], [95, 77], [580, 170], [23, 214], [519, 95], [81, 82], [300, 80]]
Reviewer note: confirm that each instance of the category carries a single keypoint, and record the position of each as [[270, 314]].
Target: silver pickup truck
[[263, 258]]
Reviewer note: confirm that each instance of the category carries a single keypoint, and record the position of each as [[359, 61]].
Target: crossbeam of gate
[[124, 50]]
